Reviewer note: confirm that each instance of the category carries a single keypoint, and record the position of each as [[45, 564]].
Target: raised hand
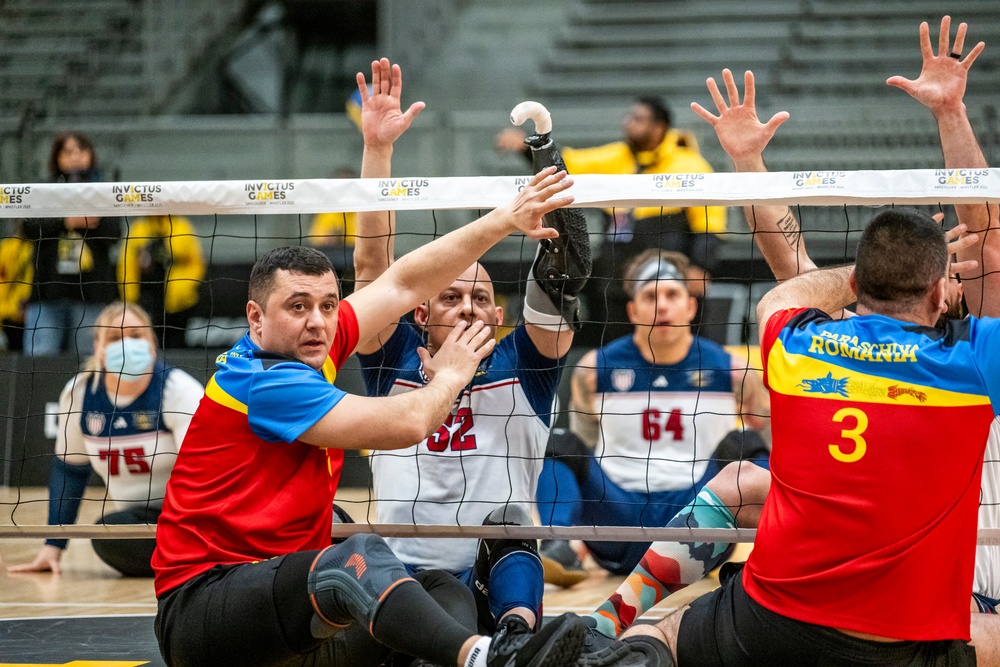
[[535, 200], [741, 133], [382, 118], [941, 84]]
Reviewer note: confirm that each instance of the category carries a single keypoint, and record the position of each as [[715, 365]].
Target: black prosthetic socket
[[564, 264]]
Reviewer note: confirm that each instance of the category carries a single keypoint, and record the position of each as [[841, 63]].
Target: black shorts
[[254, 614], [727, 628]]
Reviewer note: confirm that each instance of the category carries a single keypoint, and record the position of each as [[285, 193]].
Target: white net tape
[[814, 188]]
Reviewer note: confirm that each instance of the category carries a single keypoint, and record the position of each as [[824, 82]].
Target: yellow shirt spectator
[[162, 249]]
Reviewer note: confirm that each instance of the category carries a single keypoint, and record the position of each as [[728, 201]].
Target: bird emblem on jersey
[[661, 382], [95, 423], [825, 385], [622, 379], [119, 423]]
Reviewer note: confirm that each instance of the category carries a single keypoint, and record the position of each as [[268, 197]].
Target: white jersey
[[988, 555], [488, 453], [131, 443], [660, 424]]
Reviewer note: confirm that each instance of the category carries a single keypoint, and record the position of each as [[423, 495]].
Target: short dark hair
[[901, 254], [296, 259], [57, 145], [661, 113]]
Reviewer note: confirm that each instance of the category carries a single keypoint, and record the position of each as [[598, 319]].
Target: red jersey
[[243, 488], [879, 428]]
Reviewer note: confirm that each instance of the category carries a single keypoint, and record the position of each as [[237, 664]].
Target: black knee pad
[[741, 446], [492, 550]]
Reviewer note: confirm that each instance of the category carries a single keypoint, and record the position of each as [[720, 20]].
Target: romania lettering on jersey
[[800, 375], [844, 345]]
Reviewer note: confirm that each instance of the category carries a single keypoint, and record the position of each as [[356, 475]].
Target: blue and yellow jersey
[[879, 428], [243, 487]]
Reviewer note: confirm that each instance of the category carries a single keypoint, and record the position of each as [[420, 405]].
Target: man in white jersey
[[482, 465], [659, 409]]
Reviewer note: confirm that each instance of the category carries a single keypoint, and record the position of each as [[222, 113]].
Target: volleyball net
[[234, 222]]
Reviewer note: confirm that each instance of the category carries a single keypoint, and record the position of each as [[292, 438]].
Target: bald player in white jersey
[[482, 465]]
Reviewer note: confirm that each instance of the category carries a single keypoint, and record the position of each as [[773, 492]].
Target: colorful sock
[[667, 567]]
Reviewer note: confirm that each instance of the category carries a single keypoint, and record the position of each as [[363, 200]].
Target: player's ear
[[420, 315], [255, 316], [630, 311], [499, 315]]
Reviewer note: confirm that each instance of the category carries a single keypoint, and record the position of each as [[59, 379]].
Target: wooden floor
[[87, 587]]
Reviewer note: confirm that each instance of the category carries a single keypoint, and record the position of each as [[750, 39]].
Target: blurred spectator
[[160, 268], [334, 235], [74, 273], [123, 416], [649, 146], [16, 277]]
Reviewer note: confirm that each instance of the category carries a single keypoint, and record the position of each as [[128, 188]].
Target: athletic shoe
[[595, 641], [347, 581], [560, 564], [557, 644], [638, 651]]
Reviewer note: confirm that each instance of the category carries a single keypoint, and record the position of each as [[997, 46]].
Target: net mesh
[[184, 251]]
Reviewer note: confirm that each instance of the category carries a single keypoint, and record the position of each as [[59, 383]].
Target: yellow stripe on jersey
[[218, 394], [329, 370], [799, 375]]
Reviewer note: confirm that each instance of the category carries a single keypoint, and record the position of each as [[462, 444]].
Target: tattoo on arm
[[789, 227]]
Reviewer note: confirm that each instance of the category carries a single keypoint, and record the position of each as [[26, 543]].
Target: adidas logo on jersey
[[120, 423], [660, 382]]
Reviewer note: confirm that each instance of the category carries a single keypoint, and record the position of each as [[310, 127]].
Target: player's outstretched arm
[[394, 422], [382, 123], [826, 289], [743, 136], [941, 88], [421, 274]]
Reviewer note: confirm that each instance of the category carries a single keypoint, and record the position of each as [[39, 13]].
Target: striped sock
[[667, 567]]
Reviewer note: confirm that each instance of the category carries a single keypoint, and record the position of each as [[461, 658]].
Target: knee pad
[[348, 581], [491, 551], [741, 446]]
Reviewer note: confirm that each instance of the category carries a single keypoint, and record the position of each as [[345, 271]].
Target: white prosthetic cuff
[[540, 311]]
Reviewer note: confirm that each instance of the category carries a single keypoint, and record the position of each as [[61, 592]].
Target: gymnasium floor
[[90, 616]]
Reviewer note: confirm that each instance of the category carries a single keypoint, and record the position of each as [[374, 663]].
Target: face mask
[[128, 357]]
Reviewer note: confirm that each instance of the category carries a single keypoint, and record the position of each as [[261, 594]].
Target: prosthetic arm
[[561, 265]]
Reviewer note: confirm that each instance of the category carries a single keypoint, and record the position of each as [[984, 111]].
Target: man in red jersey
[[940, 87], [245, 570]]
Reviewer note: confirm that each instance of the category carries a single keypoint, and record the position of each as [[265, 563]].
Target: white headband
[[655, 270]]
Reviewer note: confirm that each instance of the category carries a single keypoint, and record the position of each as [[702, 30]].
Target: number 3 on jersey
[[454, 430], [852, 434]]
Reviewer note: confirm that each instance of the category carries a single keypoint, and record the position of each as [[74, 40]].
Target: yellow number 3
[[860, 446]]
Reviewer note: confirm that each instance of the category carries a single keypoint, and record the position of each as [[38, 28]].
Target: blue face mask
[[128, 357]]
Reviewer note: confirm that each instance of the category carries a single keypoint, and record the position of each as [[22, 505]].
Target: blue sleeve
[[381, 368], [287, 399], [67, 483], [539, 374], [985, 345]]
